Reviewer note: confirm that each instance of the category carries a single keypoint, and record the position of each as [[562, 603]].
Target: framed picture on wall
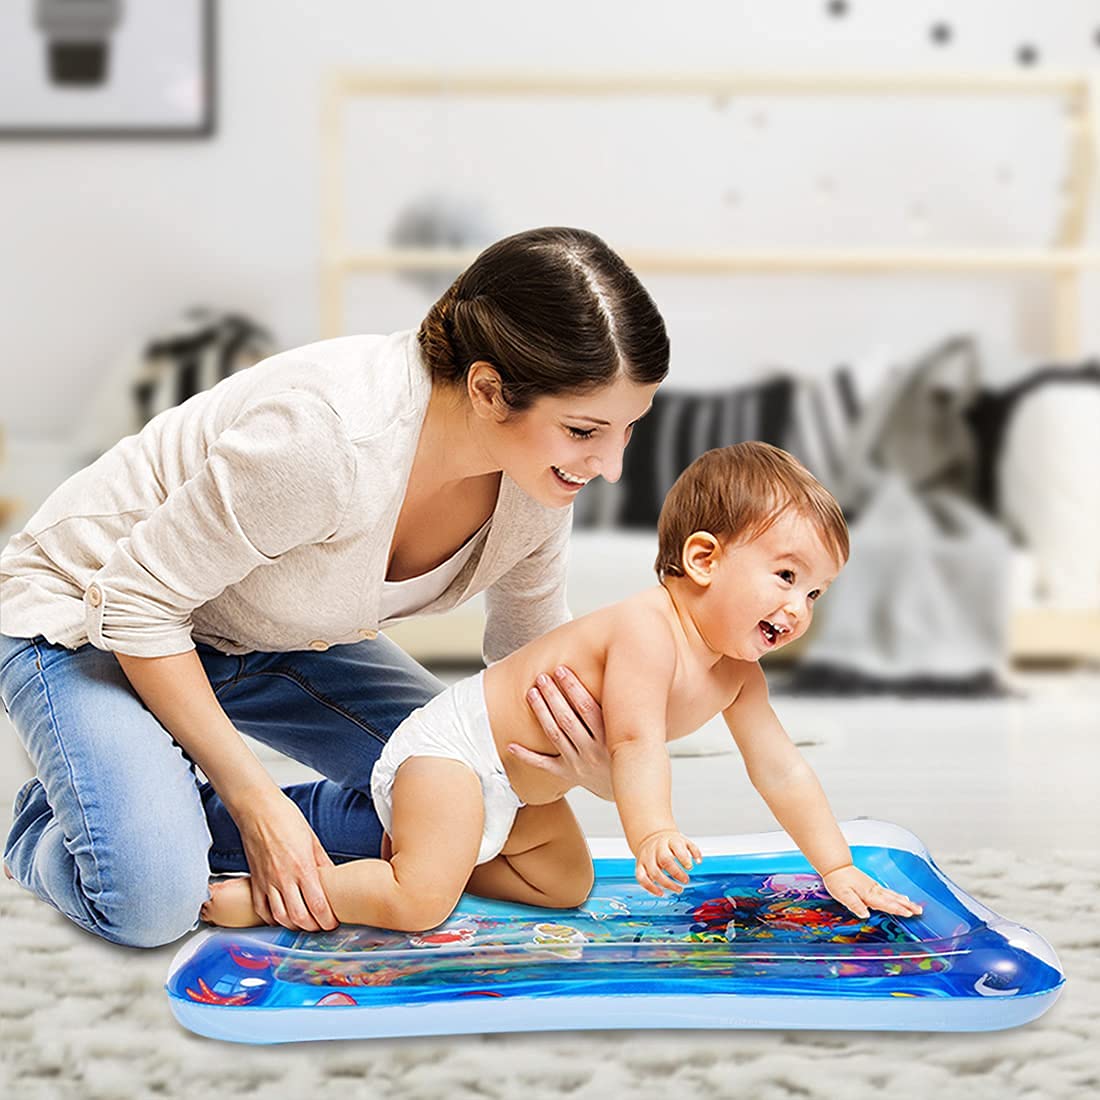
[[107, 68]]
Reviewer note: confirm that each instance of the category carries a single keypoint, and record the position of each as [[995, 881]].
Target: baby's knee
[[419, 911], [573, 888]]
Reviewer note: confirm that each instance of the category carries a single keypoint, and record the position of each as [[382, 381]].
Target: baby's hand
[[662, 857], [860, 893], [230, 904]]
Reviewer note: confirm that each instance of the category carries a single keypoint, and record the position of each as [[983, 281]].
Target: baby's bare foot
[[230, 905]]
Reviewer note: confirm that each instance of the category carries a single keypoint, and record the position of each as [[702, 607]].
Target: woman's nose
[[609, 462]]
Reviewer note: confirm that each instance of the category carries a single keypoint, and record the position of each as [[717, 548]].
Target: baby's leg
[[438, 814], [544, 862]]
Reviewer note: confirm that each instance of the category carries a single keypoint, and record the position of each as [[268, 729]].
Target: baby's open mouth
[[771, 632]]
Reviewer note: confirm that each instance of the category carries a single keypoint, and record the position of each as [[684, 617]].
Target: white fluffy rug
[[79, 1018]]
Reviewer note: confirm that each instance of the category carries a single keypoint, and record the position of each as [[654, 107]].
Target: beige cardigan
[[258, 516]]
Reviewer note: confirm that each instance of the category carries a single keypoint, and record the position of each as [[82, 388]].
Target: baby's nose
[[796, 607]]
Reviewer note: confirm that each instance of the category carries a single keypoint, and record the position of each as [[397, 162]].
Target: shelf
[[854, 261], [1055, 634], [1036, 635], [498, 82]]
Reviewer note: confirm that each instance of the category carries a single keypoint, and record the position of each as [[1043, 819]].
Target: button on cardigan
[[258, 516]]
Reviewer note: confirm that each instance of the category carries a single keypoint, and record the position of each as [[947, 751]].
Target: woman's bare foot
[[230, 905]]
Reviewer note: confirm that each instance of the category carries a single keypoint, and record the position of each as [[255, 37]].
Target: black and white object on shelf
[[811, 418], [1038, 472], [205, 346]]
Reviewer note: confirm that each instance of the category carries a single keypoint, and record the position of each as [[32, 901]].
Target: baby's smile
[[772, 632]]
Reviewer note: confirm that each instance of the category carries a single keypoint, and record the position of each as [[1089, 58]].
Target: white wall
[[104, 241]]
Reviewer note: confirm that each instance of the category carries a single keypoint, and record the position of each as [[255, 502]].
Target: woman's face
[[560, 443]]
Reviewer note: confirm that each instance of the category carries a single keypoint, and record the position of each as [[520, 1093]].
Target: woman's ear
[[485, 391], [700, 556]]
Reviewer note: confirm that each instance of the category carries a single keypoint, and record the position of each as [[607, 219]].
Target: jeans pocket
[[12, 650], [22, 795]]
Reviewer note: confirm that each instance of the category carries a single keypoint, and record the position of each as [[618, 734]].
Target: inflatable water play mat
[[753, 942]]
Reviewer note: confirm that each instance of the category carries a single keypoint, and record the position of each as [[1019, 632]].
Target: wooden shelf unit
[[1038, 633]]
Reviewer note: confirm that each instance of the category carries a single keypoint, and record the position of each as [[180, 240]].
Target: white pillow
[[1048, 486]]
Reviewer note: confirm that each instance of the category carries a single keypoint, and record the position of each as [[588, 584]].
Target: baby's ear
[[700, 556]]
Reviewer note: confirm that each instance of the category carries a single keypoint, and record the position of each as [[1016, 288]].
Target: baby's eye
[[815, 593], [787, 575], [580, 433]]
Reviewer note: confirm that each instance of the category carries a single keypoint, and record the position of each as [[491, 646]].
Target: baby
[[748, 542]]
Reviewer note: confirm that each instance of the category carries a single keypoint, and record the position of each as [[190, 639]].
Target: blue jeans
[[117, 832]]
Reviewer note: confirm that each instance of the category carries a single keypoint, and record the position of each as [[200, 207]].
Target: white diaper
[[455, 726]]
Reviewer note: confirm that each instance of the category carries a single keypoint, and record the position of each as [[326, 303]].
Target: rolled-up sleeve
[[529, 599], [278, 477]]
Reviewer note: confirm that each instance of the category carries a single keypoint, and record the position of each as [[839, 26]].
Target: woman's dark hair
[[553, 310]]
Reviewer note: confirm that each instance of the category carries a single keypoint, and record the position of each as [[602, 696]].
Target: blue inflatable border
[[988, 974]]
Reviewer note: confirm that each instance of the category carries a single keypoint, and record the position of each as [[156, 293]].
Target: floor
[[1001, 791], [1018, 772], [1015, 773]]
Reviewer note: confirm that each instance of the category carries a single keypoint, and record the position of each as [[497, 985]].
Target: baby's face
[[763, 592]]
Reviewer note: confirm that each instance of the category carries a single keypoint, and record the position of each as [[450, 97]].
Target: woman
[[227, 570]]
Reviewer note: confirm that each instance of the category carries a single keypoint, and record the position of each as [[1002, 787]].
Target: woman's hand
[[573, 721], [283, 857], [282, 852]]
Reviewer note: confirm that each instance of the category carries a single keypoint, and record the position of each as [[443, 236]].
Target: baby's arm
[[638, 675], [789, 786]]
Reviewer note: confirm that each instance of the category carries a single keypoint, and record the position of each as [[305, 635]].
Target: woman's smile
[[569, 481]]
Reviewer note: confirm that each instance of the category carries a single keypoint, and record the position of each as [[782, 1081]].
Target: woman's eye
[[580, 433]]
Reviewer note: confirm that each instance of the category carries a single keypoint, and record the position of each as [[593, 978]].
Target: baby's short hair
[[738, 492]]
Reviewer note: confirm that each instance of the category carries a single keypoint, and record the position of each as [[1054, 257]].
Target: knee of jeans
[[157, 906]]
